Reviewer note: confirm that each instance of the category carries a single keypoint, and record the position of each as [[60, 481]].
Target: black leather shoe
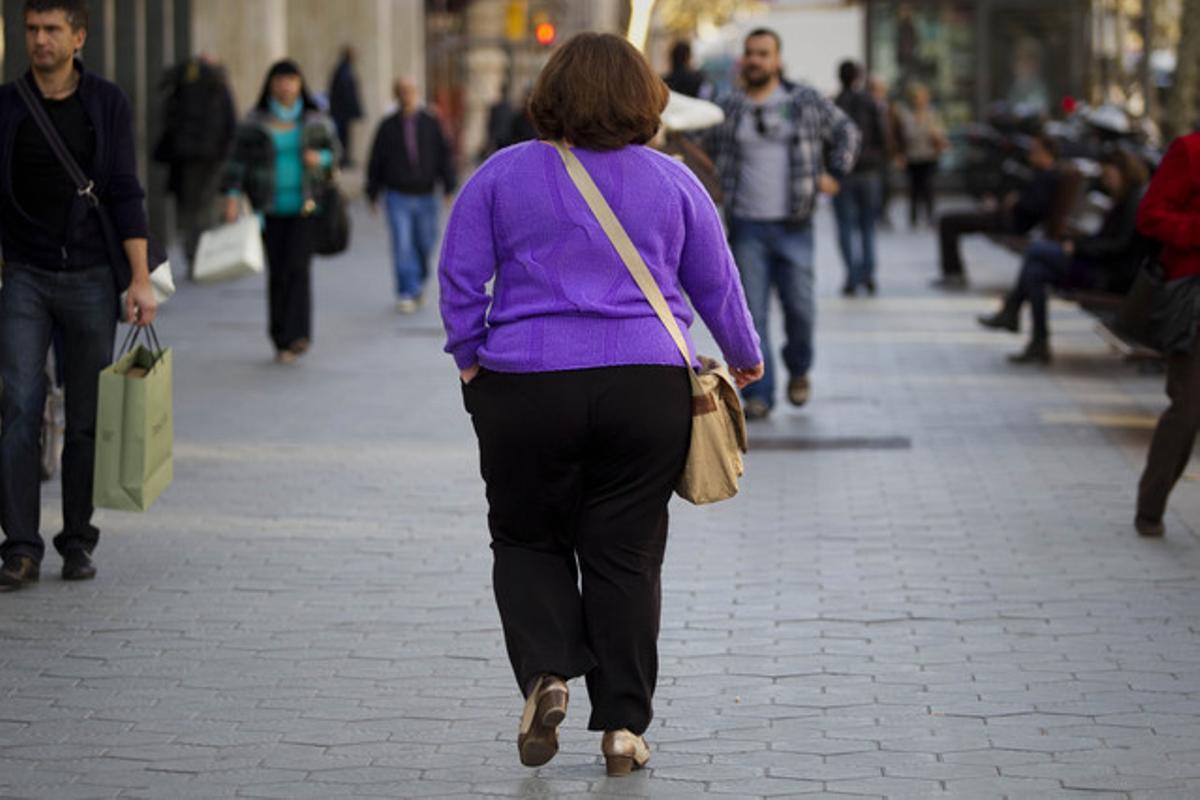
[[871, 287], [1150, 527], [1001, 321], [18, 572], [1038, 352], [78, 566]]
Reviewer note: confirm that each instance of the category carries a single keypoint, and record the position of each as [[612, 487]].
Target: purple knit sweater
[[562, 298]]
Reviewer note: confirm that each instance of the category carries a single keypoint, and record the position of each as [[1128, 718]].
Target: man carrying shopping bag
[[61, 270], [134, 426]]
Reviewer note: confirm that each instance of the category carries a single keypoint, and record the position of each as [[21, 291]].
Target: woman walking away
[[924, 139], [1088, 262], [576, 391], [282, 159], [1171, 214]]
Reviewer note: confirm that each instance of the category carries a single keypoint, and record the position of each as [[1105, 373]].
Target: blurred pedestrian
[[856, 205], [1016, 213], [198, 125], [683, 77], [345, 104], [60, 277], [574, 386], [878, 88], [1081, 262], [924, 141], [780, 146], [409, 158], [1170, 214], [500, 119], [282, 161]]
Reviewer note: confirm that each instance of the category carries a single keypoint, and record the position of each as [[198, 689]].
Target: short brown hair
[[599, 93], [76, 10]]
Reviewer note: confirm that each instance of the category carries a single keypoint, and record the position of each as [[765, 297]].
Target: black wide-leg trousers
[[579, 467]]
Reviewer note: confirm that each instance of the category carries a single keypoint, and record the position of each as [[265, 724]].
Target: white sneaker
[[407, 305]]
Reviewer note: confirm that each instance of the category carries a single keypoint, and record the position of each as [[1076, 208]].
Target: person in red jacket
[[1170, 213]]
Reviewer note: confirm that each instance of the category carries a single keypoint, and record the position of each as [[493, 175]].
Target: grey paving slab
[[307, 613]]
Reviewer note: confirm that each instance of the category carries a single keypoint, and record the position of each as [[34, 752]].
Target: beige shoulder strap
[[628, 252]]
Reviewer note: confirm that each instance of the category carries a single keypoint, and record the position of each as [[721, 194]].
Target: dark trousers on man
[[34, 303], [1175, 436], [579, 467], [195, 185], [288, 244], [951, 227]]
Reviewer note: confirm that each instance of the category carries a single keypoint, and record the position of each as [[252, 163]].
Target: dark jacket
[[251, 167], [690, 82], [389, 168], [866, 113], [198, 115], [344, 102], [1111, 248], [114, 169], [1035, 201]]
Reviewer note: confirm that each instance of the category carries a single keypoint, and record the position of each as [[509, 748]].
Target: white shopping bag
[[230, 251]]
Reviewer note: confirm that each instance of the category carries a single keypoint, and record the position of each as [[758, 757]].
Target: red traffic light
[[545, 33]]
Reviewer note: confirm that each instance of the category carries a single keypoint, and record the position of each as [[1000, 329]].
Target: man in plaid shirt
[[781, 145]]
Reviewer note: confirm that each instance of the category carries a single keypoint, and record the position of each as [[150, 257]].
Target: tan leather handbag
[[714, 461]]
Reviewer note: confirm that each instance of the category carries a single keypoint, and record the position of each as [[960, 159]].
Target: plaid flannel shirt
[[825, 141]]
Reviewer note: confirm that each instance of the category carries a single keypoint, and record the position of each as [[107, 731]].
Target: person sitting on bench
[[1079, 263], [1016, 214]]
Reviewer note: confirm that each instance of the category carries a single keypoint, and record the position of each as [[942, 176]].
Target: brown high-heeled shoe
[[545, 709], [624, 752]]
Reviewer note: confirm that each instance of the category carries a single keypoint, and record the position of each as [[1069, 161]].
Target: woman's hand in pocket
[[469, 374]]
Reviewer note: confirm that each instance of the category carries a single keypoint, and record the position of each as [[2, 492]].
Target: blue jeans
[[413, 221], [856, 207], [778, 254], [1046, 264], [82, 306]]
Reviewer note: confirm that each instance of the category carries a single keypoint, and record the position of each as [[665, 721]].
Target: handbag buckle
[[89, 192]]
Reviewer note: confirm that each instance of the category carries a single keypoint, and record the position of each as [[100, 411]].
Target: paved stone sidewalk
[[937, 595]]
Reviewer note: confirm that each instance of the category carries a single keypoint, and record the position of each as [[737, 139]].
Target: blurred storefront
[[479, 51], [971, 53]]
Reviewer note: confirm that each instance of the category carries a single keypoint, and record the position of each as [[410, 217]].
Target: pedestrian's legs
[[405, 262], [532, 431], [425, 224], [1045, 265], [914, 192], [298, 310], [792, 271], [275, 235], [929, 196], [846, 216], [1175, 436], [25, 323], [85, 313], [196, 204], [951, 227], [636, 452], [749, 243], [868, 190]]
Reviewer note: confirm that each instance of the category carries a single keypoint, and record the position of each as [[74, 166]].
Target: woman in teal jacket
[[283, 157]]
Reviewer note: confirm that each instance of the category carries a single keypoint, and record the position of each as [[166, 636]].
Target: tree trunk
[[1181, 107]]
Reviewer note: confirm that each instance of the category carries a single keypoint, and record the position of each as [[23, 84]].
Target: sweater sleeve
[[124, 195], [467, 264], [1165, 212], [710, 278]]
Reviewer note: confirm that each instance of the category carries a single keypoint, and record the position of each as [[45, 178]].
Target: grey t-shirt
[[764, 136]]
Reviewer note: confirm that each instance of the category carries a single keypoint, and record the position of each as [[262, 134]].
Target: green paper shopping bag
[[134, 427]]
